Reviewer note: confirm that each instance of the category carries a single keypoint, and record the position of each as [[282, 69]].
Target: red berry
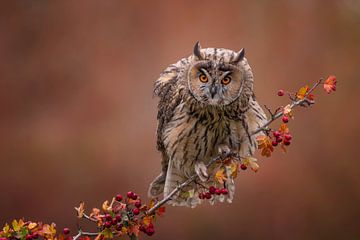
[[118, 197], [138, 204], [35, 235], [107, 224], [212, 190], [142, 228], [287, 142], [119, 227], [114, 221], [224, 191], [287, 137], [280, 93], [277, 134], [207, 195], [279, 139], [150, 231], [129, 194], [285, 119], [66, 231], [201, 195], [134, 197], [108, 217], [136, 211], [28, 237], [274, 143], [217, 191], [118, 217], [151, 225], [243, 167]]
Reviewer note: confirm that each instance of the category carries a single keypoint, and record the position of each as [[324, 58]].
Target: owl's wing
[[168, 90]]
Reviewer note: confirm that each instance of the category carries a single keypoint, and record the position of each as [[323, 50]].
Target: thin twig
[[81, 233]]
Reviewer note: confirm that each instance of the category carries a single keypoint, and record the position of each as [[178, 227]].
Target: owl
[[206, 102]]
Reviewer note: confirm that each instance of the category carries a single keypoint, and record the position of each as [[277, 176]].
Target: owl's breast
[[195, 136]]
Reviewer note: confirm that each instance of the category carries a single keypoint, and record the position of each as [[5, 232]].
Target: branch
[[277, 114]]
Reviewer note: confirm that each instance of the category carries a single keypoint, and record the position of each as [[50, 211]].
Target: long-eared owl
[[206, 100]]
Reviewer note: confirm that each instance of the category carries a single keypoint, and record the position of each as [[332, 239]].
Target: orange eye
[[226, 80], [203, 78]]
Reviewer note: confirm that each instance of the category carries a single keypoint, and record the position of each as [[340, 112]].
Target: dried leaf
[[147, 220], [106, 206], [330, 84], [32, 225], [220, 176], [283, 128], [264, 143], [161, 210], [80, 210]]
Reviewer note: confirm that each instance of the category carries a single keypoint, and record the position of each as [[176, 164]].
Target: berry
[[279, 139], [107, 224], [150, 231], [274, 143], [118, 197], [28, 237], [150, 225], [285, 119], [114, 221], [130, 194], [280, 93], [207, 195], [277, 134], [287, 142], [217, 191], [142, 228], [201, 195], [108, 217], [136, 211], [138, 204], [243, 167], [35, 235], [119, 227], [212, 190], [118, 217], [287, 137], [224, 191], [66, 231], [134, 197]]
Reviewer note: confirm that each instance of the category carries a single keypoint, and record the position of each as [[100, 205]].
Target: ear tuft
[[197, 51], [239, 56]]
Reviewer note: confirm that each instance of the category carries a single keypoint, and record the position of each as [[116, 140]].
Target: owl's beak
[[213, 91]]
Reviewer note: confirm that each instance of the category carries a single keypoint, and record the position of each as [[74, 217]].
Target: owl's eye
[[203, 78], [226, 80]]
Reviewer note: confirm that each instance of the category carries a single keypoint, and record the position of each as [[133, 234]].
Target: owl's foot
[[157, 186], [201, 171]]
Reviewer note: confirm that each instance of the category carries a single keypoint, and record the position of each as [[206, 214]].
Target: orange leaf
[[147, 220], [302, 92], [160, 211], [264, 143], [283, 128], [330, 84], [220, 176], [80, 210]]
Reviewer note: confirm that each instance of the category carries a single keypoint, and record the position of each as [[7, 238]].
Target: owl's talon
[[201, 171]]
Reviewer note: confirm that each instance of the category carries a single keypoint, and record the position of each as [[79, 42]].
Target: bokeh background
[[78, 117]]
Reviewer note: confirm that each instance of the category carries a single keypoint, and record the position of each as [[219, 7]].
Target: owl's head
[[216, 76]]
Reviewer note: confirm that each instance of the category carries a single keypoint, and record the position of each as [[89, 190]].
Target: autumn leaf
[[304, 92], [134, 230], [147, 220], [264, 143], [161, 210], [330, 84], [94, 213], [220, 176], [16, 225], [252, 163], [234, 166], [48, 231], [283, 128], [106, 206], [107, 233], [32, 225], [80, 210], [6, 231]]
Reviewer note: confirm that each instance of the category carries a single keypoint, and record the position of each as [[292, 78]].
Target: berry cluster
[[284, 138], [213, 191], [148, 230]]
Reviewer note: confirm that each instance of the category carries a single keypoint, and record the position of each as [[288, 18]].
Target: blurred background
[[78, 117]]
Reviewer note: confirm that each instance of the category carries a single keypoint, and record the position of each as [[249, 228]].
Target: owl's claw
[[201, 171]]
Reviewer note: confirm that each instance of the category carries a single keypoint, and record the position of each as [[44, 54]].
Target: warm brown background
[[78, 117]]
